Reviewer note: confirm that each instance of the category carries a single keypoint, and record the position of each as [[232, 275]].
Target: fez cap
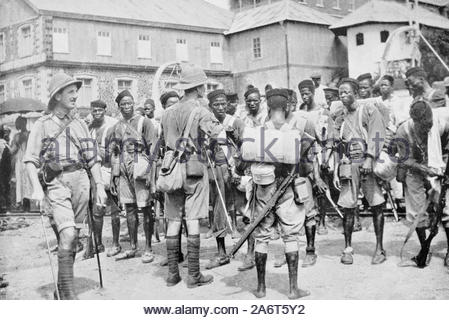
[[277, 98], [364, 76], [307, 83], [250, 91], [416, 71], [121, 95], [353, 82], [389, 78], [331, 90], [315, 75], [232, 97], [211, 96], [149, 101], [98, 104], [167, 95], [420, 110]]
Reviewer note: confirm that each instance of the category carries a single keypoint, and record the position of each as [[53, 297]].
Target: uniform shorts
[[190, 203], [417, 201], [350, 189], [67, 199], [289, 215], [131, 190]]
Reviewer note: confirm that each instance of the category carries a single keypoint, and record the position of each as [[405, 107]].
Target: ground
[[24, 261]]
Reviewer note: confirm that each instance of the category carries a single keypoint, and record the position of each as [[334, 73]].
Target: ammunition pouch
[[48, 172]]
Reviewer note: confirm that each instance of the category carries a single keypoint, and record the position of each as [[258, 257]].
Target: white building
[[368, 28]]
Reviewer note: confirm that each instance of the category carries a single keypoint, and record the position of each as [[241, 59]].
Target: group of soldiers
[[78, 170]]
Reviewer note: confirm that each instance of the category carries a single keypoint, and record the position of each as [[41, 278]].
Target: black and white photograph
[[200, 152]]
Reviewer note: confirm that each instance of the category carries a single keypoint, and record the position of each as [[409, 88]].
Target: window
[[257, 50], [2, 47], [182, 52], [60, 40], [86, 92], [337, 5], [359, 39], [26, 88], [2, 92], [211, 87], [126, 84], [351, 5], [384, 36], [25, 41], [103, 43], [320, 3], [216, 54], [144, 47]]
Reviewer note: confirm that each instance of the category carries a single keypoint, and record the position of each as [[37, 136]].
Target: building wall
[[366, 58], [124, 39], [13, 12]]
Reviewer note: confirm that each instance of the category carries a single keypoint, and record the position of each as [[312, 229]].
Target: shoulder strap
[[56, 135], [186, 132], [138, 132]]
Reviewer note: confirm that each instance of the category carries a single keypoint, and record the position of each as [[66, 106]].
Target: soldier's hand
[[322, 187], [101, 195], [38, 195], [336, 182], [367, 166]]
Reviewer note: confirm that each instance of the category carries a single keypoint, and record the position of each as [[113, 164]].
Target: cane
[[48, 252]]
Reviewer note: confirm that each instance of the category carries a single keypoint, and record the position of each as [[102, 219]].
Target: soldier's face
[[330, 97], [365, 89], [347, 95], [149, 110], [171, 101], [385, 88], [416, 85], [126, 106], [219, 108], [231, 108], [67, 97], [253, 102], [98, 113], [306, 96], [423, 126]]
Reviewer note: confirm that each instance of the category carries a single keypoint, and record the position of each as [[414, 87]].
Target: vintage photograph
[[259, 150]]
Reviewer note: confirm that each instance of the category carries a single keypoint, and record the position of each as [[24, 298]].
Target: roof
[[276, 12], [437, 3], [388, 12], [174, 13]]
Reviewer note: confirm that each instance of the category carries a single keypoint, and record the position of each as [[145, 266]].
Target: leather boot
[[195, 277], [292, 262], [172, 257], [261, 262], [65, 275]]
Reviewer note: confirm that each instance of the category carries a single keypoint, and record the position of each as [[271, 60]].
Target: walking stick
[[91, 220], [49, 254]]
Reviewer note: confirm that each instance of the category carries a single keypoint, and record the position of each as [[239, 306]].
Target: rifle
[[266, 210], [425, 247]]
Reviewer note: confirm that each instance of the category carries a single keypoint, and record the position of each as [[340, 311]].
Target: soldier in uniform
[[190, 202], [289, 213], [233, 102], [331, 95], [420, 87], [132, 137], [62, 146], [99, 130], [421, 141], [363, 134]]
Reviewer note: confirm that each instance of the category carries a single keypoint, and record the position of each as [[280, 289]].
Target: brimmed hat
[[61, 81], [191, 77]]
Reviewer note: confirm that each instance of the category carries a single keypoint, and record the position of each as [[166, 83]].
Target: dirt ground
[[24, 263]]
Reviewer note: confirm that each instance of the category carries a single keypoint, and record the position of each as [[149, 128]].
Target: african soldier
[[62, 147], [289, 210], [133, 139], [191, 201], [420, 87], [99, 130], [363, 134], [421, 141], [365, 85]]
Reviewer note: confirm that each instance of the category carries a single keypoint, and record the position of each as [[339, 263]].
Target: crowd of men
[[112, 165]]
